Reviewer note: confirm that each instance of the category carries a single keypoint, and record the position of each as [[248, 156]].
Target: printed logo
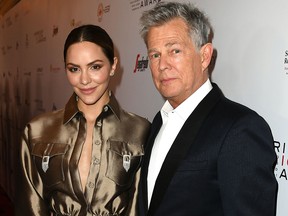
[[39, 70], [55, 31], [137, 4], [101, 10], [282, 160], [141, 64], [39, 36], [75, 23], [54, 69], [286, 61]]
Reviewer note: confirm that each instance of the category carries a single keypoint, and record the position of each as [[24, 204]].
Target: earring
[[112, 73]]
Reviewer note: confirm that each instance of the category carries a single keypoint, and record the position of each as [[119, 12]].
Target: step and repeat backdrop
[[251, 53]]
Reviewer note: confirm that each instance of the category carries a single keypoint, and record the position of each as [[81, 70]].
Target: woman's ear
[[206, 55], [114, 66]]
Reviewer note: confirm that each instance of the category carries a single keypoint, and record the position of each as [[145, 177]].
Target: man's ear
[[206, 55]]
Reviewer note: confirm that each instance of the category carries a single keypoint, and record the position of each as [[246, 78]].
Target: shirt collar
[[187, 107], [71, 108]]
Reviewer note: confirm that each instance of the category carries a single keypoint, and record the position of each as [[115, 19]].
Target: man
[[206, 155]]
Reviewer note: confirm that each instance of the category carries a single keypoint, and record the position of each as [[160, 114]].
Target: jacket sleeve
[[246, 169], [29, 188], [133, 205]]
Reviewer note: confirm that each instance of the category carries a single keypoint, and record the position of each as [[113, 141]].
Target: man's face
[[177, 67]]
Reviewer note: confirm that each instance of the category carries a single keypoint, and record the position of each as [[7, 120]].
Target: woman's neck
[[92, 111]]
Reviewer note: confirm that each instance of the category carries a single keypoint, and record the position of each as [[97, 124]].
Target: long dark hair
[[93, 34]]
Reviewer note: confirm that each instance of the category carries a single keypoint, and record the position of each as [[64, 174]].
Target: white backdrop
[[251, 40]]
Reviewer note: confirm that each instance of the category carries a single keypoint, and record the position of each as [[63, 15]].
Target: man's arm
[[246, 169]]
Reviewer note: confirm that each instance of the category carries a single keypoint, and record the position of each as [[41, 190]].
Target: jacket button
[[91, 184], [105, 108], [96, 161], [97, 142]]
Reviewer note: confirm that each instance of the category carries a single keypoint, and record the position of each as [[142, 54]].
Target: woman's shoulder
[[56, 115], [130, 116]]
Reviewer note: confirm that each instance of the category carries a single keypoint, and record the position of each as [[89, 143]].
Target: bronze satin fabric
[[58, 138]]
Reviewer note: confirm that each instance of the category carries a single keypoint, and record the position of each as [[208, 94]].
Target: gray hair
[[199, 26]]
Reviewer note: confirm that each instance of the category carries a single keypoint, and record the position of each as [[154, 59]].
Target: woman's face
[[88, 71]]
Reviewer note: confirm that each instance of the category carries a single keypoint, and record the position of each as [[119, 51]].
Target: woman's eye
[[72, 69], [95, 67]]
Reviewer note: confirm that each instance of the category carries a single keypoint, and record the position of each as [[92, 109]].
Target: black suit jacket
[[221, 163]]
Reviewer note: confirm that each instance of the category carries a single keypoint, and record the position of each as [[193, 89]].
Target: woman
[[84, 159]]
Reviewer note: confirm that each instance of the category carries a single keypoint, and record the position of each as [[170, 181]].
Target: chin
[[168, 94], [90, 102]]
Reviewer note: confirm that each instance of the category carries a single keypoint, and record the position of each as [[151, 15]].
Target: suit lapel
[[180, 147], [156, 125]]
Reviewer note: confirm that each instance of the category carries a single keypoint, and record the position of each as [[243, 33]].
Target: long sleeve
[[133, 207], [29, 188], [246, 169]]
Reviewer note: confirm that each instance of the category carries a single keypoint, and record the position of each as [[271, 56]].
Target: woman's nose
[[85, 78]]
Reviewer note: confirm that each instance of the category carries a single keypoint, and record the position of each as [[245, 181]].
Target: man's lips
[[167, 80]]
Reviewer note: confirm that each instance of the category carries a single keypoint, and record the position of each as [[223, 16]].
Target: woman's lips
[[87, 91]]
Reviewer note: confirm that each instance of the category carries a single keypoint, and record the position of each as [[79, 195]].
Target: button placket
[[97, 142], [99, 123], [106, 108], [95, 160]]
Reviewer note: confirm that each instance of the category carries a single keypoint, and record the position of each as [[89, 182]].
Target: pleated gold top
[[49, 181]]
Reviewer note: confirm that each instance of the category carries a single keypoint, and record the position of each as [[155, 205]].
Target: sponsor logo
[[102, 10], [39, 36], [55, 31], [281, 168], [55, 69], [141, 63], [286, 61], [75, 23], [39, 70], [137, 4]]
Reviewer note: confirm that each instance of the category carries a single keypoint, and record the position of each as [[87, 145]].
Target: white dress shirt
[[173, 120]]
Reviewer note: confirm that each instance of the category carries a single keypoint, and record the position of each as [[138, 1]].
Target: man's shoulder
[[226, 105], [235, 108]]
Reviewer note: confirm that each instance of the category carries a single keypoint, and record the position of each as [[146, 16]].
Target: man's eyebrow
[[166, 45], [152, 50]]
